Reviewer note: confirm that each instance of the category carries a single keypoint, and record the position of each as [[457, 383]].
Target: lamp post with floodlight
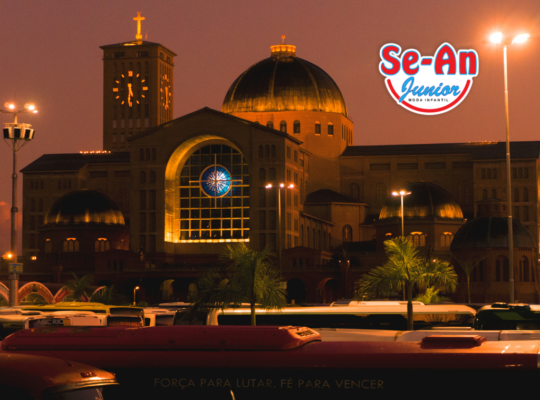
[[16, 135], [402, 193], [280, 186], [497, 38], [135, 295]]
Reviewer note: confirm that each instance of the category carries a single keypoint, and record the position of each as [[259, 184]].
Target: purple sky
[[51, 56]]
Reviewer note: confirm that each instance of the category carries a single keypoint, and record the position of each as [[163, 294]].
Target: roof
[[74, 161], [135, 43], [284, 83], [207, 110], [478, 151], [491, 232], [329, 196], [425, 200]]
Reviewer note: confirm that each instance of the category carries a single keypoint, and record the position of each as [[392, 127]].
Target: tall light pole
[[135, 295], [497, 38], [280, 186], [402, 193], [16, 135]]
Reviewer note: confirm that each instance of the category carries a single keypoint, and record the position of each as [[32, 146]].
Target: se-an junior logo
[[428, 85]]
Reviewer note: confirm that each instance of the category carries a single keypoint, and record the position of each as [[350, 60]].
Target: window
[[152, 224], [70, 245], [330, 129], [405, 166], [272, 174], [147, 154], [488, 175], [152, 200], [516, 213], [525, 194], [494, 193], [142, 222], [152, 244], [288, 152], [48, 246], [526, 173], [296, 126], [270, 124], [418, 239], [379, 167], [283, 126], [142, 199], [262, 220], [317, 128], [380, 194], [347, 233], [152, 176], [142, 177], [446, 239], [272, 220], [262, 197], [354, 191], [435, 165], [154, 155], [273, 151], [484, 194], [214, 218], [102, 245], [267, 151], [516, 195], [524, 269]]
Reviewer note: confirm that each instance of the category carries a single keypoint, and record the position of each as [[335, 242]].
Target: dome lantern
[[283, 50]]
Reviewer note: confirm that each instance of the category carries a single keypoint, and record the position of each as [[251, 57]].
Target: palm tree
[[78, 288], [250, 279], [107, 296], [404, 269], [468, 267], [431, 295]]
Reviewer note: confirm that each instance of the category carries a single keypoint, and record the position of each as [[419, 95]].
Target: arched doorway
[[330, 291], [296, 291]]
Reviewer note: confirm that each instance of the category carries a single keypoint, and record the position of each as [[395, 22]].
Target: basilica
[[276, 166]]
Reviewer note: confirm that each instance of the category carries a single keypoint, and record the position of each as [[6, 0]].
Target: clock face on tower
[[130, 89], [165, 92]]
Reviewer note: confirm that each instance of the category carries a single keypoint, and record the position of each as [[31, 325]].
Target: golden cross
[[282, 39], [138, 18]]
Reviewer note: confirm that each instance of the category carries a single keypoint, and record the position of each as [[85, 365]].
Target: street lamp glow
[[521, 38], [496, 38], [30, 107], [269, 186]]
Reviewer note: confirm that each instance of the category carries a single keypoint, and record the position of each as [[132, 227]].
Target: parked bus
[[25, 377], [81, 318], [366, 316], [239, 362], [504, 316], [97, 308]]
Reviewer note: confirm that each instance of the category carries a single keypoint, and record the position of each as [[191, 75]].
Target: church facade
[[275, 167]]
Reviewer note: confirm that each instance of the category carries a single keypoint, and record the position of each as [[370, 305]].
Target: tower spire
[[138, 18]]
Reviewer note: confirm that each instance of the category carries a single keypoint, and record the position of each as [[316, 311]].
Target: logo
[[428, 85]]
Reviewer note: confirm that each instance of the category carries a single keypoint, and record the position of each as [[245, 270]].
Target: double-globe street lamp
[[280, 186], [497, 38], [16, 135]]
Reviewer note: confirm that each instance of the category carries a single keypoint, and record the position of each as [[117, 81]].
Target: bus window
[[183, 317]]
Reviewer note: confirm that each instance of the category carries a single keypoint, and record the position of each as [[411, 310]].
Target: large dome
[[427, 200], [284, 82], [82, 207], [490, 232]]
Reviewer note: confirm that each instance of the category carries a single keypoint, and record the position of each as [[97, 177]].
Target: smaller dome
[[427, 200], [84, 207], [490, 232]]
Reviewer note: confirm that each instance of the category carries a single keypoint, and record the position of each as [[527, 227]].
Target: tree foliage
[[108, 296], [406, 268], [249, 278], [78, 288], [468, 267]]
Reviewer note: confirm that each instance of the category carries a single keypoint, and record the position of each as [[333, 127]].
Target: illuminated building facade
[[188, 185]]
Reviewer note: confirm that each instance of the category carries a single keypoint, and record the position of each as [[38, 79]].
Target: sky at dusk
[[51, 56]]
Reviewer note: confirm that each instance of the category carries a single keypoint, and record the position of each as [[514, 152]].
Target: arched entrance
[[329, 290], [296, 291]]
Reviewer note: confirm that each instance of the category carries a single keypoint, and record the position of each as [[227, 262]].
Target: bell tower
[[137, 88]]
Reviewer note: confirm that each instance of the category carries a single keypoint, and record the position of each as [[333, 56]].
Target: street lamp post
[[497, 38], [135, 295], [402, 193], [16, 135], [280, 186]]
